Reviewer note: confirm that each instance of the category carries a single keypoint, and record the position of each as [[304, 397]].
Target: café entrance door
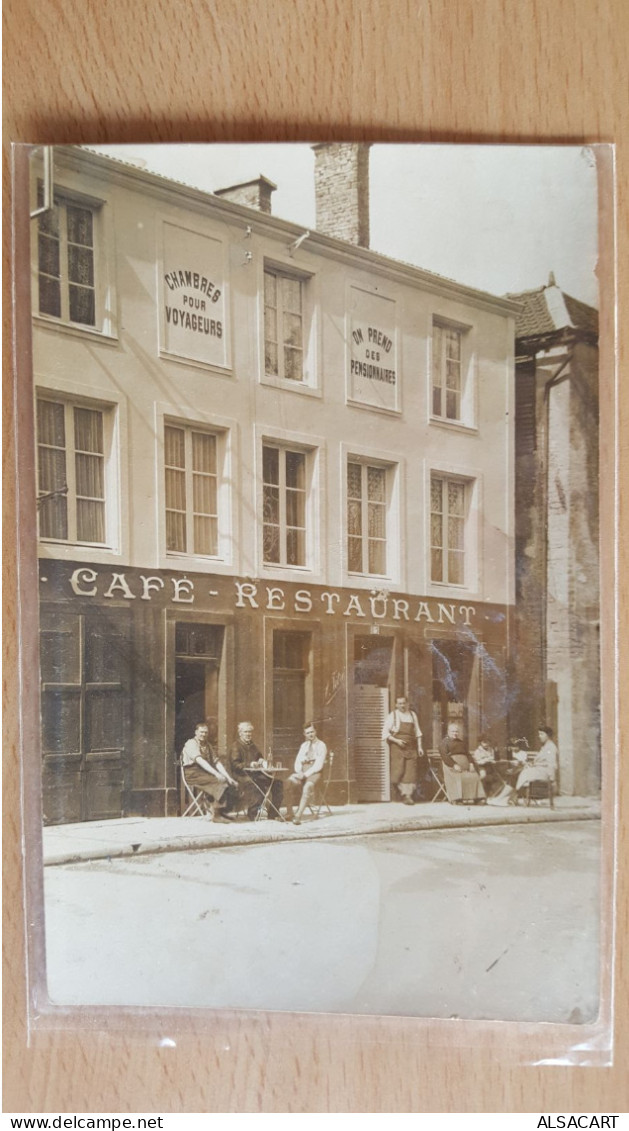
[[373, 663], [198, 653], [292, 691], [456, 692]]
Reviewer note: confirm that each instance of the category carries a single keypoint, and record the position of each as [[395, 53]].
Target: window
[[366, 518], [283, 325], [284, 506], [447, 529], [65, 262], [447, 372], [192, 487], [71, 464], [198, 640]]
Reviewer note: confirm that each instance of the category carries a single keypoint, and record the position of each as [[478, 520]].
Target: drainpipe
[[550, 384]]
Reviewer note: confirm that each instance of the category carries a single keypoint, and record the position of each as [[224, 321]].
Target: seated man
[[309, 765], [204, 771], [252, 785], [460, 776]]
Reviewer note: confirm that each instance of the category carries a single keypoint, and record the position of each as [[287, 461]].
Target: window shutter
[[525, 416], [370, 751]]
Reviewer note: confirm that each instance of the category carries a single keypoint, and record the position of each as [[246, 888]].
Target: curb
[[245, 839]]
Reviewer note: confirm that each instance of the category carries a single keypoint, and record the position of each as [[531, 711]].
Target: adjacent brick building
[[556, 661]]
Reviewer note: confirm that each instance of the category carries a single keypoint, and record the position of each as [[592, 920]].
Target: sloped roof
[[414, 273], [583, 317], [547, 310]]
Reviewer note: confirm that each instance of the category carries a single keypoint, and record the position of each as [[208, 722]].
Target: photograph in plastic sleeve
[[316, 439]]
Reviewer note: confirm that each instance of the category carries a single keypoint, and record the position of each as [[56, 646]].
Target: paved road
[[484, 923]]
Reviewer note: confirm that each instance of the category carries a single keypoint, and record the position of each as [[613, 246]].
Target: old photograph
[[316, 440]]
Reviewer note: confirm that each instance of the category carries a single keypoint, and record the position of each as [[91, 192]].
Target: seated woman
[[460, 776], [544, 764], [542, 767]]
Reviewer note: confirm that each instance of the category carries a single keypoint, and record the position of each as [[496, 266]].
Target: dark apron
[[404, 761]]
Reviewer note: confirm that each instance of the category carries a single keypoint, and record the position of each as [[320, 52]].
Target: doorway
[[455, 689], [373, 679], [292, 691], [85, 713], [198, 653]]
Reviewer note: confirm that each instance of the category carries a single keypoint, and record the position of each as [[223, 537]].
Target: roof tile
[[536, 320]]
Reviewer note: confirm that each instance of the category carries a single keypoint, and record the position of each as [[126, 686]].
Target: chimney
[[342, 190], [253, 194]]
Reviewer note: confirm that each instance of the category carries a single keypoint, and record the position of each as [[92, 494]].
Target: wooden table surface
[[406, 70]]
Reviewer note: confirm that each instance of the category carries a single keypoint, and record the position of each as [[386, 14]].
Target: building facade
[[557, 637], [275, 482]]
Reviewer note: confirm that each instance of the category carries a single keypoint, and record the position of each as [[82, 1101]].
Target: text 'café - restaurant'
[[275, 484], [279, 654]]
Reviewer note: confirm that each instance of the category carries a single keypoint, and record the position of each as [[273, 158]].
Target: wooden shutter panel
[[525, 417], [371, 753]]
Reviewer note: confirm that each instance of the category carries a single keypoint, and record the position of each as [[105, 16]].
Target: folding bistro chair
[[321, 803], [193, 799], [436, 773], [537, 791]]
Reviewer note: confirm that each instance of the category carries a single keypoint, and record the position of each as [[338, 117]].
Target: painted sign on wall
[[231, 593], [193, 296], [373, 350]]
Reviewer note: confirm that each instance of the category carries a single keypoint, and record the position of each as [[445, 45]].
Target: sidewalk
[[131, 836]]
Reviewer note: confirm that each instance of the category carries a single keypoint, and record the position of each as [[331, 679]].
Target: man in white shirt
[[309, 765]]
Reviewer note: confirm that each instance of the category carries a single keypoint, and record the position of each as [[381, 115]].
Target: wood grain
[[490, 70]]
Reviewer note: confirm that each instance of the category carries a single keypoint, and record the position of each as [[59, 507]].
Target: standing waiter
[[404, 737]]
